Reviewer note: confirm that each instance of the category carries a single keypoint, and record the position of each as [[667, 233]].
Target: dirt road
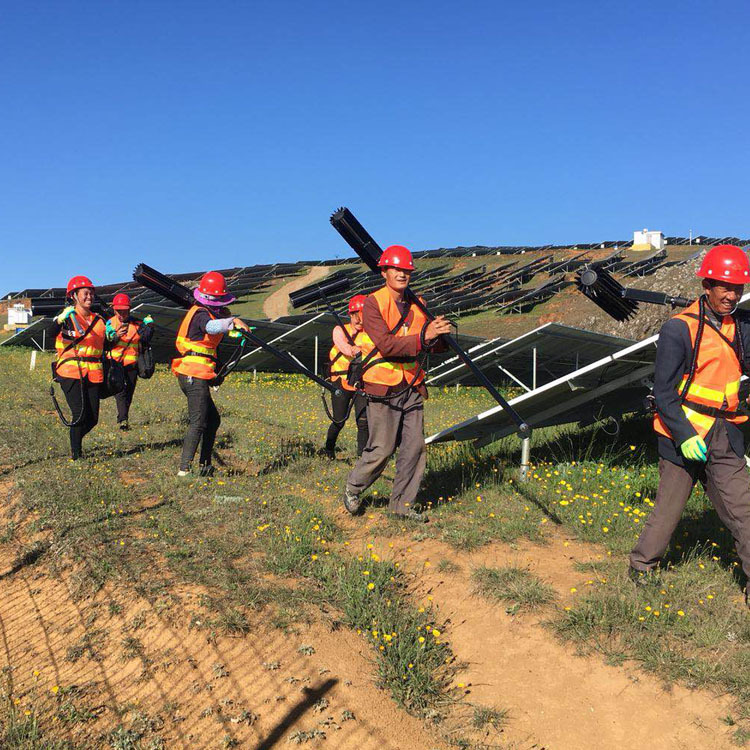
[[277, 304]]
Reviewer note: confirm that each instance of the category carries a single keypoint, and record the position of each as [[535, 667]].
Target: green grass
[[263, 537], [686, 625], [19, 731], [512, 584]]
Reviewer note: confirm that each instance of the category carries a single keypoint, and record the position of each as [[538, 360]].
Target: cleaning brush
[[618, 301], [606, 292]]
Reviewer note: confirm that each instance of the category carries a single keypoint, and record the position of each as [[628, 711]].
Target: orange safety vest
[[716, 383], [198, 357], [338, 358], [85, 358], [126, 349], [381, 370]]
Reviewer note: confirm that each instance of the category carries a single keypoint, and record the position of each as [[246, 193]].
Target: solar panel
[[612, 386], [532, 359], [578, 396]]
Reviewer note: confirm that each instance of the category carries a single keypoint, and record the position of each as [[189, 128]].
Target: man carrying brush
[[395, 333], [700, 358]]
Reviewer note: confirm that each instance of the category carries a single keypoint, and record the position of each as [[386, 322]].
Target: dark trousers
[[725, 479], [341, 404], [125, 397], [83, 401], [204, 421], [395, 424]]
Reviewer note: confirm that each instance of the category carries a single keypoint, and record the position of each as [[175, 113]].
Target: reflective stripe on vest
[[85, 358], [339, 362], [717, 375], [380, 370], [126, 349], [198, 357]]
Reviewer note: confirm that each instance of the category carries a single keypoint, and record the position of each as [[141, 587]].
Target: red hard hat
[[121, 302], [357, 302], [213, 283], [79, 282], [397, 256], [725, 263]]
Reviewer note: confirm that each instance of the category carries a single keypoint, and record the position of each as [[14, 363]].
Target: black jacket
[[672, 362]]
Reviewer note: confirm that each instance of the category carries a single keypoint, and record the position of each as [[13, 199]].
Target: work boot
[[411, 515], [124, 426], [641, 577], [184, 473], [351, 502], [327, 452], [206, 470]]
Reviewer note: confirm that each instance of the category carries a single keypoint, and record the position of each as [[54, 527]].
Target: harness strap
[[191, 353], [367, 361], [733, 344], [710, 411], [75, 342]]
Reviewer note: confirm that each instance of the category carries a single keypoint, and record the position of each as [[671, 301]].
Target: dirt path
[[116, 660], [557, 700], [277, 303]]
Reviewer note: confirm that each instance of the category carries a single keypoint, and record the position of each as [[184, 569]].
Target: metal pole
[[32, 364], [315, 370], [533, 371], [523, 473], [44, 339]]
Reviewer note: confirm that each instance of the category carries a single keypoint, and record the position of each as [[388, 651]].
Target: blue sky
[[192, 135]]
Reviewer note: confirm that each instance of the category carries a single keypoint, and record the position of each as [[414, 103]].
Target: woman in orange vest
[[127, 334], [80, 336], [701, 355], [345, 348], [395, 332], [198, 338]]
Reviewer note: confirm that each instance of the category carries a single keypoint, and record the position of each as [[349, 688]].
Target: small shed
[[648, 240], [18, 315]]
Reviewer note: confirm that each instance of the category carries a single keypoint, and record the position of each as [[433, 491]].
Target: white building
[[18, 315], [645, 240]]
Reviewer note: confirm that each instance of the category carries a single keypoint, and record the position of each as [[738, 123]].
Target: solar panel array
[[612, 386], [523, 277], [241, 281]]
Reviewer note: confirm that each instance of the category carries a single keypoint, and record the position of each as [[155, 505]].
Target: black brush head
[[161, 284], [320, 291], [357, 237], [606, 292]]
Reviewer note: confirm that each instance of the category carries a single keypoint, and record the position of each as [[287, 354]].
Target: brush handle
[[655, 298], [288, 359]]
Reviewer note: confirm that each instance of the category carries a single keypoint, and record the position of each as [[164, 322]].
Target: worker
[[395, 334], [346, 349], [80, 336], [700, 357], [127, 335], [198, 338]]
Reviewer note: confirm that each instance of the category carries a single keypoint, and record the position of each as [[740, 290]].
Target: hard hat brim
[[220, 301]]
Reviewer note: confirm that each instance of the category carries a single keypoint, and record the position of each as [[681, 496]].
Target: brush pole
[[359, 239], [289, 360], [332, 310], [524, 428]]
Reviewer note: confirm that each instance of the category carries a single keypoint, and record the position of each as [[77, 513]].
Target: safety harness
[[77, 360]]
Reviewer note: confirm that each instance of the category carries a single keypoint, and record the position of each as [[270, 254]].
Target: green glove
[[148, 320], [65, 314], [694, 449], [111, 331], [234, 333]]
